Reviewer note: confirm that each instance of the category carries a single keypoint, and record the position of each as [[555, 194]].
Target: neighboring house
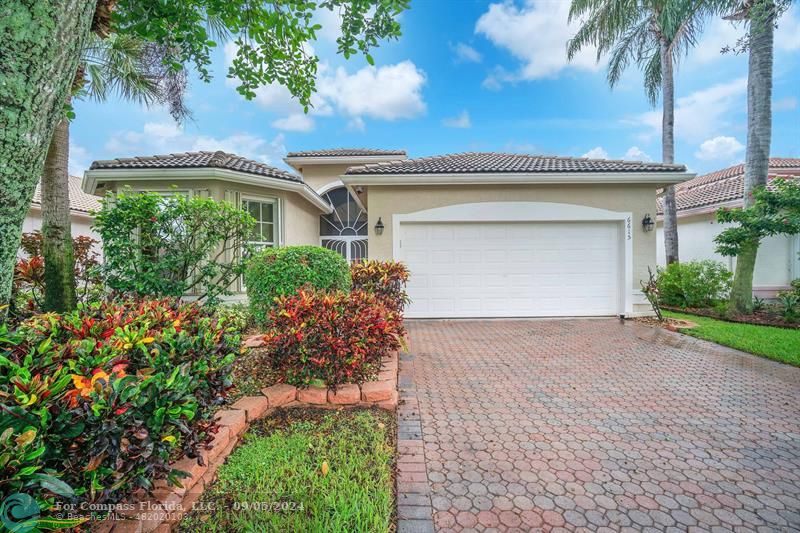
[[81, 205], [484, 234], [699, 199]]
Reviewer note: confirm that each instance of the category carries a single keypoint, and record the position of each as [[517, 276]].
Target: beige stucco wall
[[317, 176], [777, 263], [386, 201], [300, 217]]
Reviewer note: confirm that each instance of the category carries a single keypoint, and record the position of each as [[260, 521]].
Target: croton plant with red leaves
[[331, 338], [111, 394]]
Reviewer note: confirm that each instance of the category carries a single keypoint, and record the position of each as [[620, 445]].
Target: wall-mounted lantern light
[[648, 223], [379, 227]]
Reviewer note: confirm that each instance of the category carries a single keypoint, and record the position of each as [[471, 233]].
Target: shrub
[[276, 272], [694, 284], [331, 338], [789, 305], [385, 279], [157, 246], [28, 282], [115, 391]]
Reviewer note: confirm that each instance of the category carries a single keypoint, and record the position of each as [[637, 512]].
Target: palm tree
[[132, 69], [654, 34], [761, 16]]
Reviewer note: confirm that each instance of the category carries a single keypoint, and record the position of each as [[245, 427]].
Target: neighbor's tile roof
[[218, 159], [346, 152], [490, 162], [722, 186], [78, 200]]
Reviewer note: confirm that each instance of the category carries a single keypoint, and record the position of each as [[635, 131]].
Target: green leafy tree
[[43, 41], [653, 34], [132, 69], [773, 210], [173, 246]]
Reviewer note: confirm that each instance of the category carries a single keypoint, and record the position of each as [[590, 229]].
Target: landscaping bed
[[780, 344], [768, 316], [305, 470]]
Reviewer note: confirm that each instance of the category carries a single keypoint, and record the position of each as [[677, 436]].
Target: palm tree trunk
[[668, 152], [37, 77], [59, 259], [759, 138]]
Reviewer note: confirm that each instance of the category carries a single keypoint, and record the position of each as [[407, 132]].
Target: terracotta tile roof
[[724, 186], [78, 200], [346, 152], [218, 159], [490, 162]]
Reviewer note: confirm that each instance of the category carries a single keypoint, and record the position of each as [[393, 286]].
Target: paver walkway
[[590, 424]]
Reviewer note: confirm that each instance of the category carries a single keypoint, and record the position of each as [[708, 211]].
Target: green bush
[[155, 246], [276, 272], [108, 396], [694, 284]]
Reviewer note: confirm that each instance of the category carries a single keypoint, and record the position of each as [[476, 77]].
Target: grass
[[780, 344], [275, 480]]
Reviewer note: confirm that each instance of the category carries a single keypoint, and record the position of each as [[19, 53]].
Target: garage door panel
[[512, 269]]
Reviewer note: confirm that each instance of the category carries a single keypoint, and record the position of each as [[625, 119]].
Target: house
[[484, 234], [81, 204], [698, 200]]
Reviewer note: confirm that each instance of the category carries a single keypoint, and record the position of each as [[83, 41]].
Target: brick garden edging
[[168, 504]]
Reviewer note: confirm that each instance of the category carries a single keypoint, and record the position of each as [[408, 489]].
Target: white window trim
[[278, 216], [530, 212]]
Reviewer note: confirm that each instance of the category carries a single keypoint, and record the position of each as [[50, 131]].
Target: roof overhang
[[703, 209], [513, 178], [349, 160], [92, 177]]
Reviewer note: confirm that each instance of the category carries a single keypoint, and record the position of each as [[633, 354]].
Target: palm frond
[[652, 77]]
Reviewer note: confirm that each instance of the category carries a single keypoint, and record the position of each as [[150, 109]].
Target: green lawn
[[780, 344], [280, 464]]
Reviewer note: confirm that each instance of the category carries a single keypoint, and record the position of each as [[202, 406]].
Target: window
[[265, 212]]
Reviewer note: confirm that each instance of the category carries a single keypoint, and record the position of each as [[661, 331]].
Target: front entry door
[[344, 230]]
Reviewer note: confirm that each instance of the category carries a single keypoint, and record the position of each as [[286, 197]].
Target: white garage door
[[512, 269]]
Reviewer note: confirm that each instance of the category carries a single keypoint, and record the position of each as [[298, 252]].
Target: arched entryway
[[344, 230]]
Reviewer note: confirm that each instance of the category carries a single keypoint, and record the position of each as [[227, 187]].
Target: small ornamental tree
[[173, 246], [775, 211]]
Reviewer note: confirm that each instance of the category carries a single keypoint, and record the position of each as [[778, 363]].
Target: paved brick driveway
[[580, 424]]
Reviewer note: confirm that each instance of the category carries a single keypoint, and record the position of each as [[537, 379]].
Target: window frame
[[277, 218]]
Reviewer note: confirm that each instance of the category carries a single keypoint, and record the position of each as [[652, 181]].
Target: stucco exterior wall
[[317, 176], [81, 225], [386, 201], [777, 263]]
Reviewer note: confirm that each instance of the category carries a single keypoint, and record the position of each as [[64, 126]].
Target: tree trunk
[[759, 137], [59, 259], [42, 42], [668, 152]]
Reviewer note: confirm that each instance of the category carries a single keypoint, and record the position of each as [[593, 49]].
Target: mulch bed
[[764, 317], [672, 324]]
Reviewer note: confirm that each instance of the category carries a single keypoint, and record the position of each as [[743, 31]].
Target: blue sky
[[468, 75]]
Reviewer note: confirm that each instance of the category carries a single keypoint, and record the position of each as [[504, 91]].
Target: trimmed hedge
[[276, 272]]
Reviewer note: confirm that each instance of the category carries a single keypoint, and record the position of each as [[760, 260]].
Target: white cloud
[[785, 104], [294, 122], [719, 149], [537, 35], [634, 153], [721, 33], [389, 92], [464, 53], [356, 124], [160, 138], [460, 121], [701, 114], [598, 152], [79, 159]]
